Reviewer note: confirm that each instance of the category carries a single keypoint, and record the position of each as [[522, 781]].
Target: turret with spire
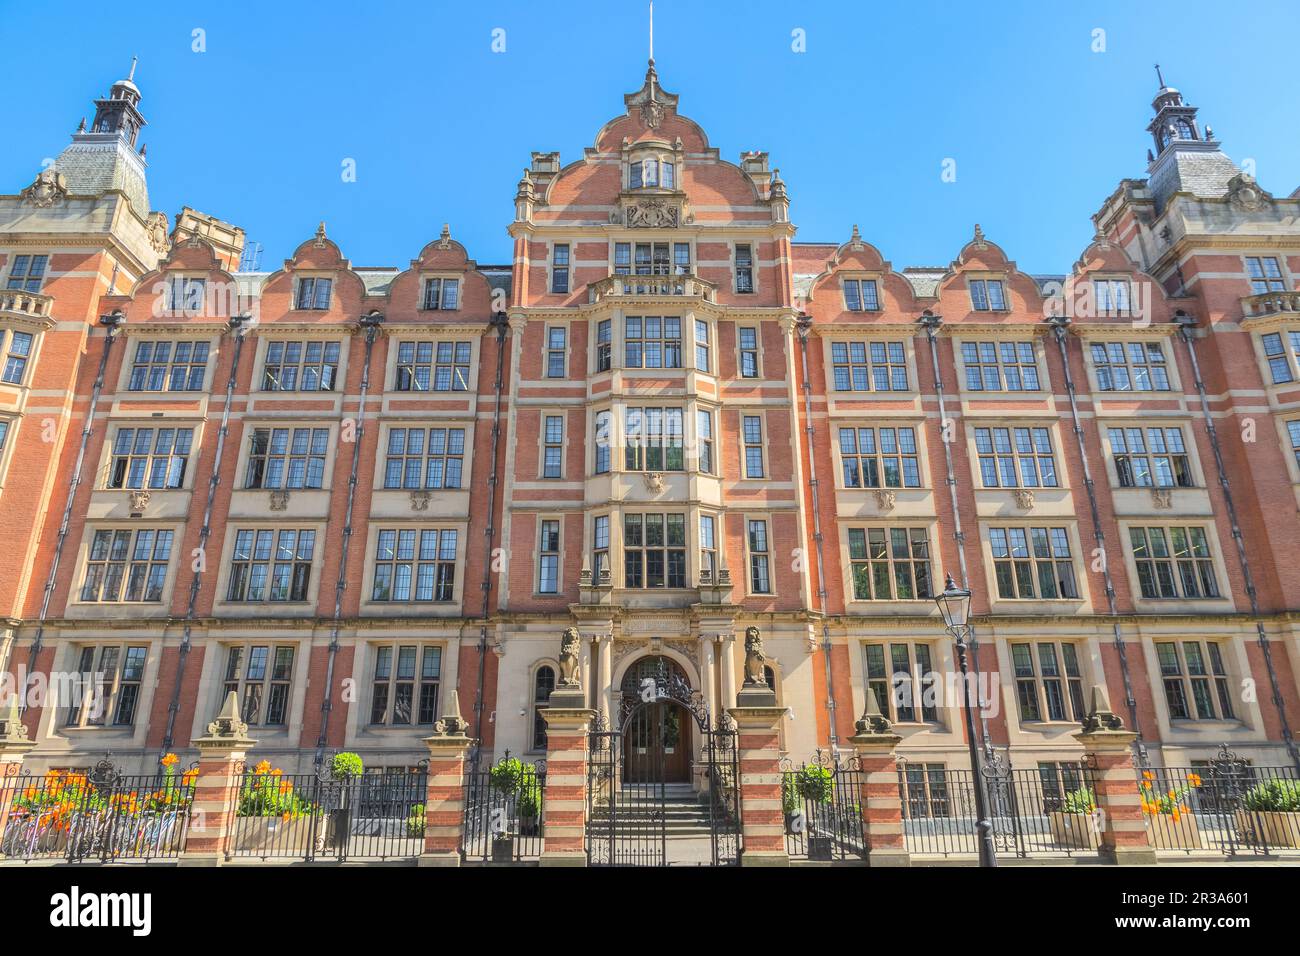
[[1184, 159]]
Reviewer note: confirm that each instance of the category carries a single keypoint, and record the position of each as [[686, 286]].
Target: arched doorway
[[658, 742]]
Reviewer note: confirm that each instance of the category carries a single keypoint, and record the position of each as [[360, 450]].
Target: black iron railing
[[821, 803], [504, 807]]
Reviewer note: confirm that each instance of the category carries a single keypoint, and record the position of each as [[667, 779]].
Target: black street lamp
[[954, 605]]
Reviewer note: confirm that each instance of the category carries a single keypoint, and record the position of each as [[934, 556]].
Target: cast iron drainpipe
[[1186, 324], [804, 326], [111, 323], [1059, 324], [370, 326], [239, 325], [500, 324], [931, 323]]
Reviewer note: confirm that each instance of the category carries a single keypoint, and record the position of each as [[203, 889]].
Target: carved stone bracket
[[1024, 498], [886, 499], [139, 501], [654, 481], [1162, 498], [420, 500], [280, 501]]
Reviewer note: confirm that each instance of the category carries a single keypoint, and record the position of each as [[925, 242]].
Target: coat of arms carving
[[652, 214], [47, 189]]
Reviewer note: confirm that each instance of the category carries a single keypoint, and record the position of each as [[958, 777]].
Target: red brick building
[[344, 493]]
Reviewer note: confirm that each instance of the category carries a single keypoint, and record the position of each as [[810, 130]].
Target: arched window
[[1185, 130], [543, 684]]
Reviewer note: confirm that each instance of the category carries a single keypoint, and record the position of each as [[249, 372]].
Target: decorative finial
[[131, 75], [320, 235], [444, 238], [1150, 157], [81, 127], [1209, 132], [144, 150], [979, 236]]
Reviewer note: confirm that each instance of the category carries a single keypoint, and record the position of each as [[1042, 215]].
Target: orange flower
[[1148, 775], [262, 767], [170, 760], [276, 772], [1176, 814], [1194, 779]]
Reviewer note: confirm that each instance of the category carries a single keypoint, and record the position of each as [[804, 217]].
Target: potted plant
[[1072, 822], [1270, 814], [816, 785], [1170, 821], [504, 780], [415, 821], [530, 802], [345, 767]]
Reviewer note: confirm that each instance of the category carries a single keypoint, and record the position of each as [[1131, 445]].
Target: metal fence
[[504, 805], [313, 816], [1225, 807], [1044, 812], [822, 805], [96, 815]]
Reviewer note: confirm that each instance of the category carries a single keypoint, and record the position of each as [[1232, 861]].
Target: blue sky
[[256, 128]]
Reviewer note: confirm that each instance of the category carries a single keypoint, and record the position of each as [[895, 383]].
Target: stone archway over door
[[658, 737]]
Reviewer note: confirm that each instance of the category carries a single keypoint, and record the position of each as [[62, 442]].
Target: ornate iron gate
[[627, 819]]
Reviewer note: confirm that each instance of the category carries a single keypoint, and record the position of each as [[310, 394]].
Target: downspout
[[370, 326], [111, 324], [239, 328], [500, 323], [931, 323], [804, 326], [1185, 326], [1059, 323]]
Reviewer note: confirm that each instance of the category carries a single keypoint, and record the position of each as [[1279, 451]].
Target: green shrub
[[415, 821], [1079, 801], [815, 784], [268, 793], [1274, 796], [789, 795], [346, 766], [507, 775]]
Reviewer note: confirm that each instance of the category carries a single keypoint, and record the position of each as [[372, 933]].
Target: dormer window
[[987, 295], [313, 293], [652, 172], [441, 294], [185, 295]]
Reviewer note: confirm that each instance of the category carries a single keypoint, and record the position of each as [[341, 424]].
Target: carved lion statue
[[569, 647], [755, 659]]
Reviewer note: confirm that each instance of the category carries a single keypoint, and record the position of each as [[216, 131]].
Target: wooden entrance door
[[657, 744]]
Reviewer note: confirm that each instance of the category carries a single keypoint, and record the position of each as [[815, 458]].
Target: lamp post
[[954, 605]]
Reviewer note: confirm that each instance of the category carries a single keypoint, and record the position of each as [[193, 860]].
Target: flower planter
[[275, 836], [1073, 829], [1166, 833], [503, 849], [1269, 827], [821, 848]]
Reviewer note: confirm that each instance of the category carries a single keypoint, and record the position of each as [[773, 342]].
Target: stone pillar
[[14, 746], [706, 676], [1108, 763], [564, 818], [875, 745], [727, 649], [222, 753], [444, 802], [758, 745]]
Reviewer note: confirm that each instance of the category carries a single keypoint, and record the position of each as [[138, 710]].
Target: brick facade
[[685, 306]]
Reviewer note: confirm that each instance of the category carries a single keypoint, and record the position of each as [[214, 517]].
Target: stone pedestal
[[14, 746], [759, 752], [875, 746], [222, 754], [564, 818], [444, 802], [1108, 761]]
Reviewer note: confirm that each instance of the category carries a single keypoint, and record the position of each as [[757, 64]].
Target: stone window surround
[[372, 608], [75, 607], [1184, 423], [909, 606], [861, 275], [387, 423], [922, 451], [557, 516], [452, 334], [867, 335], [104, 469], [52, 718], [250, 424], [265, 335], [757, 326], [1167, 337], [690, 405], [1079, 561], [966, 334], [130, 335], [1225, 601], [692, 513], [226, 608], [1053, 426]]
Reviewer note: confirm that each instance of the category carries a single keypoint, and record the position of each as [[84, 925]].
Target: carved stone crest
[[420, 500], [139, 500], [654, 481], [885, 499], [1244, 193], [48, 188], [652, 113], [1162, 498], [1024, 498], [652, 214], [570, 644], [157, 229], [279, 501]]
